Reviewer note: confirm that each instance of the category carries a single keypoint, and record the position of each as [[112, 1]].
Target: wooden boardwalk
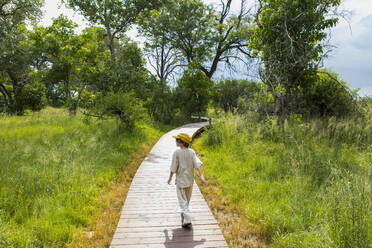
[[150, 216]]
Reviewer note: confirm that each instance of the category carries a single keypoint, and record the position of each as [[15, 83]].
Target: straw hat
[[184, 137]]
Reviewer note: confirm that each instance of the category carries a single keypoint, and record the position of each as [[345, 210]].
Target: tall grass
[[304, 184], [53, 168]]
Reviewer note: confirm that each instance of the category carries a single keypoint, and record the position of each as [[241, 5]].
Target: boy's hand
[[202, 179], [170, 177]]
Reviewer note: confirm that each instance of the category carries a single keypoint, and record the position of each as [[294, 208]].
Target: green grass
[[305, 185], [53, 168]]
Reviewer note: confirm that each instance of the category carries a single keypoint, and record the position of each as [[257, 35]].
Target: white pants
[[184, 196]]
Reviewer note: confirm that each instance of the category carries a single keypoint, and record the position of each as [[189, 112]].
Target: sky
[[351, 56]]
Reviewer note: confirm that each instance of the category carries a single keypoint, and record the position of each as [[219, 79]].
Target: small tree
[[161, 105], [194, 91], [124, 106]]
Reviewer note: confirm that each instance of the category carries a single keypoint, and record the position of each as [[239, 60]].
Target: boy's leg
[[182, 200], [188, 194]]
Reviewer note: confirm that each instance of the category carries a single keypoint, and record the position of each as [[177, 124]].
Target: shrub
[[161, 105], [33, 96], [326, 97], [124, 106], [231, 95]]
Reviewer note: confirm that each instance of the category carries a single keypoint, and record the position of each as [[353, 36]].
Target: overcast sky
[[351, 58]]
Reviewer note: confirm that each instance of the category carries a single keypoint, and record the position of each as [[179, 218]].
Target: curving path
[[149, 217]]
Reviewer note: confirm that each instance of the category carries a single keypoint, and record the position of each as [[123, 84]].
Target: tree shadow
[[181, 238]]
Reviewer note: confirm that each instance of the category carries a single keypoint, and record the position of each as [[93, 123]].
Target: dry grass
[[99, 234], [237, 230]]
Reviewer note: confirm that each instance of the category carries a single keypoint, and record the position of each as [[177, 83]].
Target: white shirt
[[184, 161]]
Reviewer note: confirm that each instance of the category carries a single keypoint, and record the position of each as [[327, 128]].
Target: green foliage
[[291, 45], [72, 63], [304, 184], [326, 97], [15, 66], [53, 170], [162, 104], [131, 72], [226, 93], [198, 32], [124, 106], [33, 96], [115, 16], [193, 92], [13, 13]]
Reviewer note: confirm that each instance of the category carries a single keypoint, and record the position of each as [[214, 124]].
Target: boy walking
[[184, 161]]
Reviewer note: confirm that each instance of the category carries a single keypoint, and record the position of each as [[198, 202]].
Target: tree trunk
[[68, 93], [111, 45], [5, 94], [16, 105], [78, 99]]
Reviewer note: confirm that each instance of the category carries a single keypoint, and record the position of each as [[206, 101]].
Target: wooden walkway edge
[[150, 217]]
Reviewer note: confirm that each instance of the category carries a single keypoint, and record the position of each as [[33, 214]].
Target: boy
[[184, 161]]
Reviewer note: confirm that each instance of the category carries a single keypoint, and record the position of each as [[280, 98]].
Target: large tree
[[199, 32], [116, 16], [15, 58], [71, 62], [289, 38]]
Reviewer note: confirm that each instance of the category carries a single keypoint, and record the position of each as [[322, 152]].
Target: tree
[[289, 39], [15, 59], [116, 16], [72, 62], [198, 32], [193, 92], [226, 93], [59, 44], [122, 105], [327, 97], [13, 13], [131, 71], [161, 105]]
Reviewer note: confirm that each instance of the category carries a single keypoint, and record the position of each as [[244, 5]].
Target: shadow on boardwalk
[[181, 238]]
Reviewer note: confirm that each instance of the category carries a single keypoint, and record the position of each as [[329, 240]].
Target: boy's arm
[[170, 177], [174, 167], [202, 179]]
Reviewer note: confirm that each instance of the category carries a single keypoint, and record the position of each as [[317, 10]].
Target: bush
[[33, 96], [124, 106], [231, 95], [326, 97]]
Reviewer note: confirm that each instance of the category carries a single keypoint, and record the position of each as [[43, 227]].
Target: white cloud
[[353, 55], [53, 9]]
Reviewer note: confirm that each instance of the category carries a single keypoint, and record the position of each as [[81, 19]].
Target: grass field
[[53, 170], [303, 185]]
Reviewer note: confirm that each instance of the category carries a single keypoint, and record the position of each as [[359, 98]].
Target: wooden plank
[[195, 228], [150, 216], [161, 233], [167, 239]]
